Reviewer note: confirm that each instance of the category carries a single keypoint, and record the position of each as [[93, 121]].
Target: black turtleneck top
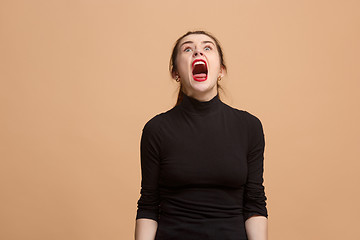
[[202, 171]]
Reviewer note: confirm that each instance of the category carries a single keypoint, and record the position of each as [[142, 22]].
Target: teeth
[[199, 62]]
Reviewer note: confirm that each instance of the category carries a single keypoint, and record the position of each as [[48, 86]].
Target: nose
[[197, 52]]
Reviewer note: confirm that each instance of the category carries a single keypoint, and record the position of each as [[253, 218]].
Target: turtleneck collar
[[194, 106]]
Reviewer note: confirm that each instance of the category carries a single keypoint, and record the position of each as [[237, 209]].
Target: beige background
[[79, 79]]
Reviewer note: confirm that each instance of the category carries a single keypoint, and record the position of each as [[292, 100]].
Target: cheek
[[216, 67], [215, 63], [182, 64]]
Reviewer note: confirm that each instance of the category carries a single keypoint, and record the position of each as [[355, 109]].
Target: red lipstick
[[199, 70]]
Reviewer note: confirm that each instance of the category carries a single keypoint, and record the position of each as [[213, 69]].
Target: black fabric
[[202, 171]]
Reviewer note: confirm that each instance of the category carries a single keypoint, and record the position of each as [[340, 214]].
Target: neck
[[202, 96], [198, 107]]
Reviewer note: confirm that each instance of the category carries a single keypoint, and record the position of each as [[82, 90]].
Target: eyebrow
[[203, 42]]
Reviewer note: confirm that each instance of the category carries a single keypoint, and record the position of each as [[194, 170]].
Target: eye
[[207, 48], [188, 49]]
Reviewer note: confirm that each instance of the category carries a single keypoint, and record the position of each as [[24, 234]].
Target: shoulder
[[151, 132], [253, 120], [244, 115], [154, 123], [254, 124], [249, 121], [253, 127]]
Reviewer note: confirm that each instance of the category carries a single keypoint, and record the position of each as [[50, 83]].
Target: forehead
[[196, 38]]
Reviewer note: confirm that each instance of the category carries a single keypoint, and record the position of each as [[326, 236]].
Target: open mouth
[[199, 70]]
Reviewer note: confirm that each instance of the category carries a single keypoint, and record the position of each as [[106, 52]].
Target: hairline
[[202, 42]]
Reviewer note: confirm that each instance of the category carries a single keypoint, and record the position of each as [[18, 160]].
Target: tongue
[[200, 75]]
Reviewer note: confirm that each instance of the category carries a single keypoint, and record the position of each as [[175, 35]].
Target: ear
[[174, 74], [222, 71]]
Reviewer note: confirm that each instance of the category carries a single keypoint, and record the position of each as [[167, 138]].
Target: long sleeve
[[254, 195], [202, 171], [148, 204]]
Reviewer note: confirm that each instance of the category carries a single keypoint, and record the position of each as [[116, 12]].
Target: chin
[[203, 88]]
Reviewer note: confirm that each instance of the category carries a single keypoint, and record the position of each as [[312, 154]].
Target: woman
[[202, 160]]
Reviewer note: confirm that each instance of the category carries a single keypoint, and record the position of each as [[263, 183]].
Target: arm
[[255, 212], [256, 228], [145, 229], [148, 204]]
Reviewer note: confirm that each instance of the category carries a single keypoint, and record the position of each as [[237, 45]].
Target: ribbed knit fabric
[[202, 171]]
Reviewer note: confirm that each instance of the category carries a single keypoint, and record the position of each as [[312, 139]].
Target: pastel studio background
[[79, 79]]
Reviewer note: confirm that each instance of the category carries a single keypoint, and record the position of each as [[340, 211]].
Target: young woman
[[202, 160]]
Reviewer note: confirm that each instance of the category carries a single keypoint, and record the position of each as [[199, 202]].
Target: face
[[198, 66]]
